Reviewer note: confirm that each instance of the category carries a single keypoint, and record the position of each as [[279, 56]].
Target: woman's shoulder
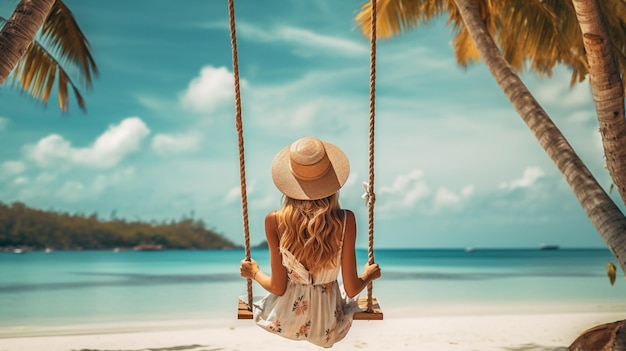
[[348, 212], [270, 220], [348, 216]]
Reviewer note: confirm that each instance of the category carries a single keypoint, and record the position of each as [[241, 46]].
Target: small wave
[[127, 279], [136, 279], [482, 276]]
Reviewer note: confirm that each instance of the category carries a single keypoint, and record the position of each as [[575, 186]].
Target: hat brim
[[319, 188]]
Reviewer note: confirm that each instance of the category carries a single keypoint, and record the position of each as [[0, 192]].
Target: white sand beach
[[481, 332]]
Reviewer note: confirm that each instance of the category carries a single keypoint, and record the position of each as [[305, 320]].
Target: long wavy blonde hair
[[311, 230]]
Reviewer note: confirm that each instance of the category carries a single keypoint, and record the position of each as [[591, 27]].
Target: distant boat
[[549, 247], [48, 250], [18, 251], [469, 249]]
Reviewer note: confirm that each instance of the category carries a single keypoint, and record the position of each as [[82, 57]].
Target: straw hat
[[310, 169]]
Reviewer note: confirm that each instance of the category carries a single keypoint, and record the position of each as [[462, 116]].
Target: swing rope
[[239, 126], [242, 170], [370, 191]]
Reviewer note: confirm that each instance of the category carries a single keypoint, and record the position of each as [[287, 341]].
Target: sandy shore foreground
[[527, 332]]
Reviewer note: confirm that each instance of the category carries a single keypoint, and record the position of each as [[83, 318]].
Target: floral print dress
[[313, 308]]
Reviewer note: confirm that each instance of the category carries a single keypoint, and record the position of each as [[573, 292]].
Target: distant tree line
[[24, 227]]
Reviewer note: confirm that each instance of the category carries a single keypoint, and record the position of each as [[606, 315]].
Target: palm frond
[[464, 48], [61, 48], [63, 98], [61, 32], [36, 74], [393, 16], [533, 34]]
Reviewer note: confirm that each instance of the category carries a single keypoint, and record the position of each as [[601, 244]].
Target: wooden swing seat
[[362, 315]]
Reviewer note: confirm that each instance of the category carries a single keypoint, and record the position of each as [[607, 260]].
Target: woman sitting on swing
[[310, 239]]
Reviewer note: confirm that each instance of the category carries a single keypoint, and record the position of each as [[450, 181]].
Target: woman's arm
[[353, 283], [276, 283]]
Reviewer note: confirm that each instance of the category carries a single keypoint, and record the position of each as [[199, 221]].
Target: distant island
[[261, 245], [24, 229]]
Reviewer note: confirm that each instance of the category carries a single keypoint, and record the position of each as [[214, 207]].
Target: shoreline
[[484, 332], [218, 319]]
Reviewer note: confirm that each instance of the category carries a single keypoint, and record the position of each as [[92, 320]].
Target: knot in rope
[[369, 197]]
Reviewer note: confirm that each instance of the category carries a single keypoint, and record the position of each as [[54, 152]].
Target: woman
[[310, 240]]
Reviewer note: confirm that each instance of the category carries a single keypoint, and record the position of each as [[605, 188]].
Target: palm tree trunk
[[601, 210], [19, 31], [607, 89]]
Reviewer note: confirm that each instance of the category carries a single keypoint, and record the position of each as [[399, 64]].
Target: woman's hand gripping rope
[[249, 269]]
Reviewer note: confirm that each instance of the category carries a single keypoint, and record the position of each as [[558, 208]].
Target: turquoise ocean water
[[66, 288]]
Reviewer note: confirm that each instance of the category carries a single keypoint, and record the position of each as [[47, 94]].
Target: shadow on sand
[[535, 347], [173, 348]]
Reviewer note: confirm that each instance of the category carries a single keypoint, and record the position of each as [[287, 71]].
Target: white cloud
[[467, 191], [117, 142], [556, 90], [11, 168], [46, 178], [58, 187], [266, 202], [169, 144], [312, 40], [4, 122], [431, 62], [49, 150], [297, 37], [71, 191], [212, 88], [234, 194], [312, 101], [20, 181], [305, 42], [309, 114], [107, 151], [406, 190], [77, 190], [445, 197], [36, 188], [152, 102], [260, 199], [410, 192], [256, 199], [530, 177]]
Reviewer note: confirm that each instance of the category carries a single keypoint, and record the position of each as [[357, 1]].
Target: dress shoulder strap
[[278, 234], [343, 230]]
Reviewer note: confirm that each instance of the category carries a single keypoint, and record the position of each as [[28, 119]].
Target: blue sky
[[455, 164]]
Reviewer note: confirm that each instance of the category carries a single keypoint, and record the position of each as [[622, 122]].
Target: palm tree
[[469, 20], [606, 85], [38, 63], [544, 33]]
